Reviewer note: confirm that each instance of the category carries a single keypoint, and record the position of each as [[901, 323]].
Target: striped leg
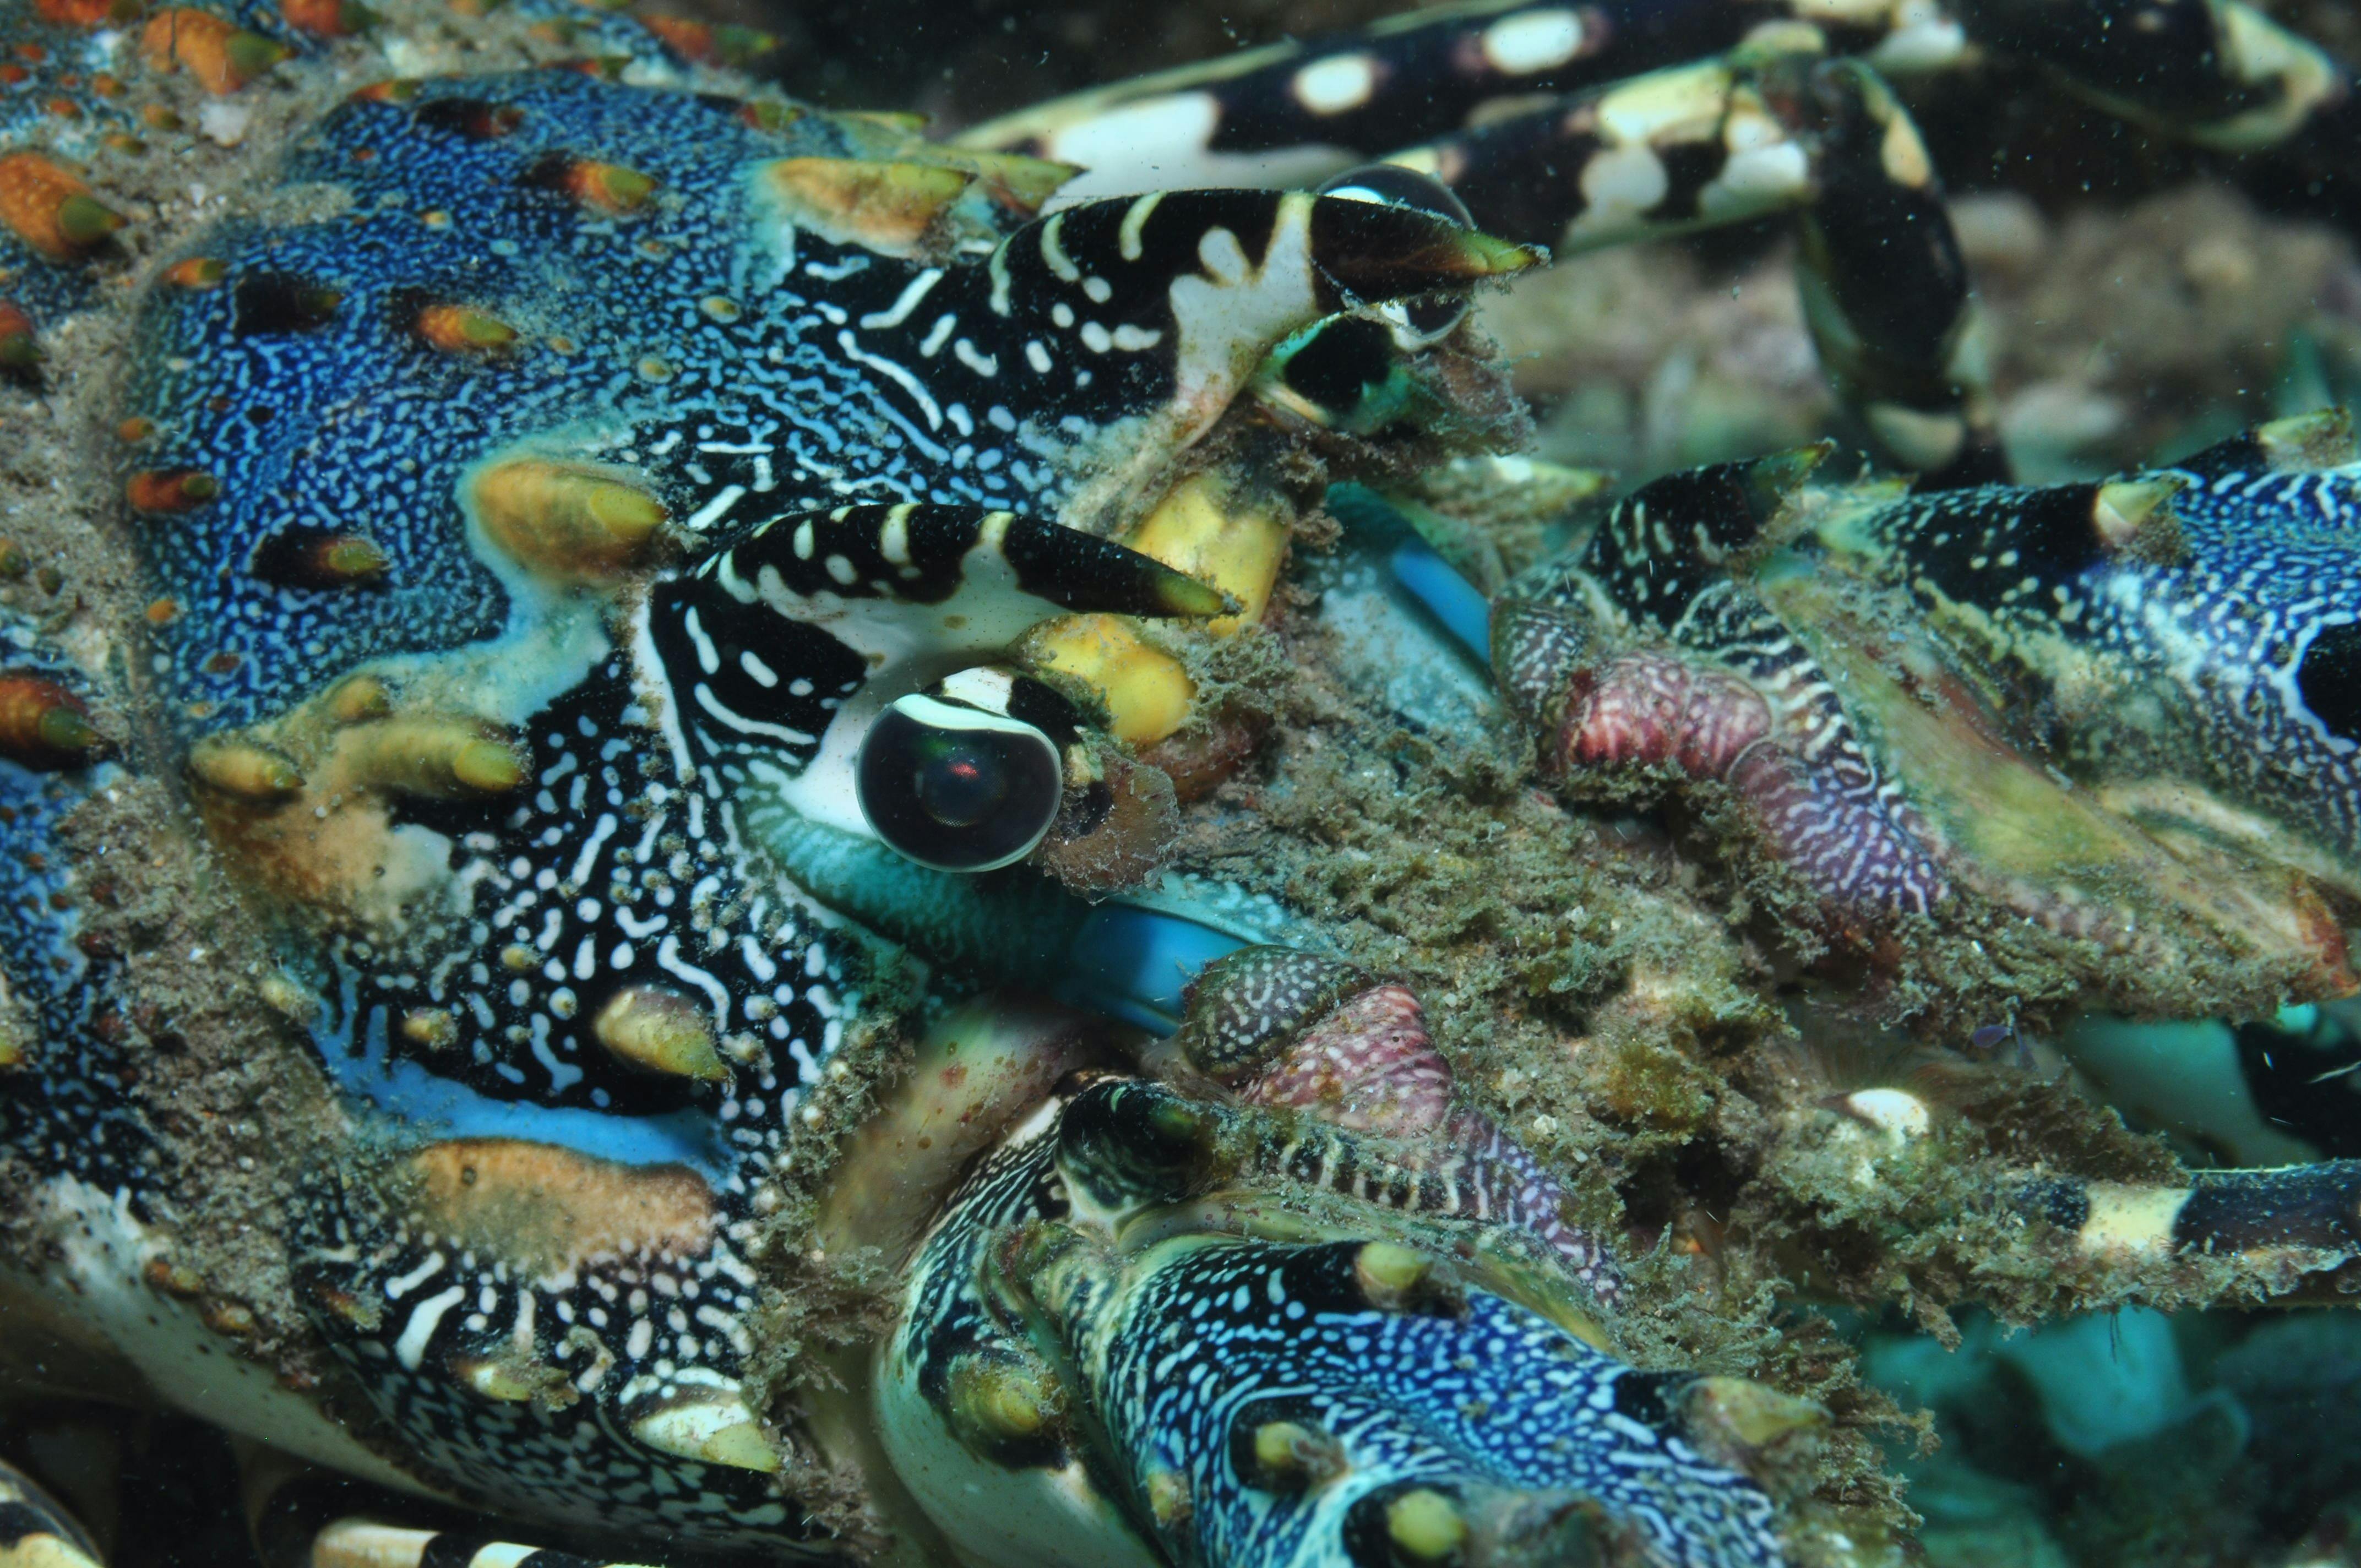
[[308, 1519], [1886, 296], [35, 1532], [1304, 109], [2215, 73], [1752, 133], [1641, 658], [357, 1543], [2294, 1219], [1771, 128], [2040, 1242], [2218, 74]]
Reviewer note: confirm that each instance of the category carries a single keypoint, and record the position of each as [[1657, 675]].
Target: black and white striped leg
[[2218, 74], [36, 1531], [1753, 134], [310, 1520], [1296, 112], [2302, 1217], [1640, 147], [1888, 302], [357, 1543], [1885, 288]]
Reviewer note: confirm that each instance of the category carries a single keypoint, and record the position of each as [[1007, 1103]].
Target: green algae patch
[[1652, 1087]]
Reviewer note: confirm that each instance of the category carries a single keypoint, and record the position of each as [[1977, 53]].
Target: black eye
[[957, 788], [1391, 185], [1429, 318], [2329, 679]]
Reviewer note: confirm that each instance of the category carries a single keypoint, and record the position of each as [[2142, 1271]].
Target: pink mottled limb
[[1852, 837], [1369, 1066], [1293, 1030]]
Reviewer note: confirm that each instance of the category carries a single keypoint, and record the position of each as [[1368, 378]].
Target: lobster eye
[[955, 788], [1428, 318], [1391, 185], [2329, 679]]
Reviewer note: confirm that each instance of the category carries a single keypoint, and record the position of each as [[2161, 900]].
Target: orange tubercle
[[196, 272], [769, 114], [51, 208], [86, 13], [171, 490], [323, 561], [42, 725], [604, 187], [709, 43], [19, 349], [462, 329], [325, 18], [221, 56]]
